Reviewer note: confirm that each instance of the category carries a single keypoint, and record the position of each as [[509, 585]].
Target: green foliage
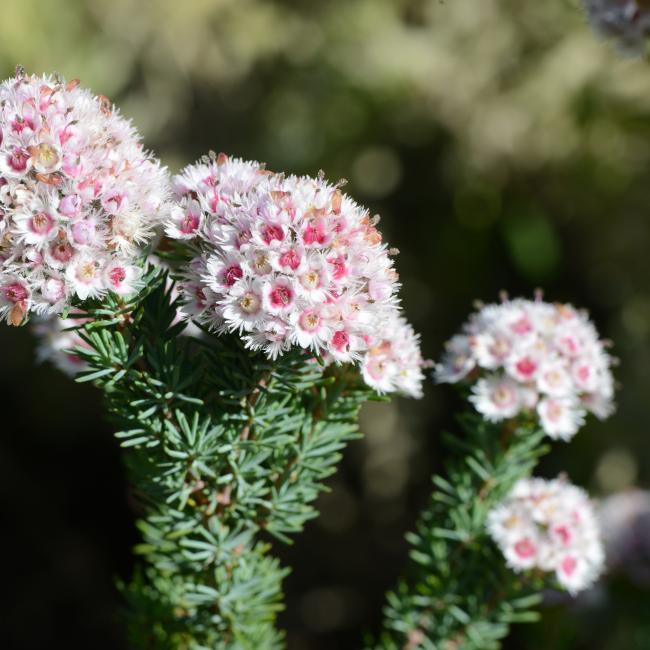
[[459, 593], [222, 445]]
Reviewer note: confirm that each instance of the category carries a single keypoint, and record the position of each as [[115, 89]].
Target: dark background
[[505, 148]]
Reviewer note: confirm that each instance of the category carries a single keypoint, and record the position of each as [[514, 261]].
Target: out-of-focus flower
[[550, 526], [525, 356], [78, 197], [288, 261], [57, 340], [627, 22], [625, 522]]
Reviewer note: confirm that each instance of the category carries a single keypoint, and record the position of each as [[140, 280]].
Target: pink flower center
[[62, 252], [41, 223], [525, 548], [18, 160], [232, 274], [15, 292], [281, 296], [82, 232], [554, 411], [522, 326], [272, 231], [526, 367], [70, 205], [314, 234], [291, 259], [189, 223], [568, 565], [376, 368], [563, 533], [117, 276], [341, 340], [20, 123], [214, 201], [570, 344], [199, 296], [338, 267]]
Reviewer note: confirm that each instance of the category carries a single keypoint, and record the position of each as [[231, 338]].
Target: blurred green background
[[505, 148]]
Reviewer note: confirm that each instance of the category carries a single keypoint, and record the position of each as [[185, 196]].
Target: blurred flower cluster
[[550, 526], [625, 21], [523, 355]]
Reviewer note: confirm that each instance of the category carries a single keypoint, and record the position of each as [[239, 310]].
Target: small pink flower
[[525, 548], [18, 159], [281, 295], [272, 232], [290, 259]]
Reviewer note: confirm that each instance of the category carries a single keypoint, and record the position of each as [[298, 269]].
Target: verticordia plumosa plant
[[288, 299], [493, 537]]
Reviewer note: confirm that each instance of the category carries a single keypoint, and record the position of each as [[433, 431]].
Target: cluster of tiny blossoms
[[550, 526], [525, 356], [78, 197], [625, 21], [290, 261]]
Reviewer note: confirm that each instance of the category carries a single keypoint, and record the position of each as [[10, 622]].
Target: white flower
[[560, 417], [549, 525], [496, 398]]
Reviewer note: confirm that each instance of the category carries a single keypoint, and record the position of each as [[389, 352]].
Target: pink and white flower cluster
[[550, 526], [287, 261], [625, 21], [78, 197], [525, 356]]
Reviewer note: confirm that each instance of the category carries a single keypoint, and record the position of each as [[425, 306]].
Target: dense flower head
[[625, 21], [283, 260], [78, 197], [550, 526], [524, 356], [393, 362]]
